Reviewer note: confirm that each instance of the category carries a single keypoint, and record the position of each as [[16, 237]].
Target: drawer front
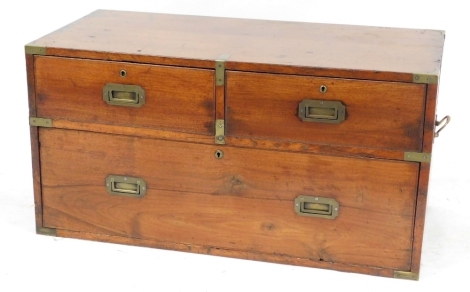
[[385, 115], [177, 99], [243, 201]]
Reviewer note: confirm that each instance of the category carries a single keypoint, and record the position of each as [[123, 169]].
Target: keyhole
[[219, 154], [123, 73], [323, 89]]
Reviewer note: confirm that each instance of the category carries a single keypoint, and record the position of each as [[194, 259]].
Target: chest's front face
[[300, 165]]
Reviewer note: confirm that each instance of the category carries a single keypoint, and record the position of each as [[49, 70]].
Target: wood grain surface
[[242, 202], [430, 117], [271, 46], [131, 131], [424, 174], [322, 149], [256, 143], [34, 136], [177, 99], [384, 115], [420, 216]]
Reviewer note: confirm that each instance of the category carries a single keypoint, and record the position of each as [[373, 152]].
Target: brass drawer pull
[[316, 207], [322, 111], [124, 95], [126, 186]]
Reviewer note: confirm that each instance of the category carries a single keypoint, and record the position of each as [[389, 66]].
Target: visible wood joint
[[46, 231], [425, 78], [417, 157], [34, 50], [406, 275], [40, 122], [220, 69]]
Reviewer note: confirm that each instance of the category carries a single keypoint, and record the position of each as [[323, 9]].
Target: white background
[[32, 262]]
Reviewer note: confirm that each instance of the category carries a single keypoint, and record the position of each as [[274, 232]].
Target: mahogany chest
[[296, 143]]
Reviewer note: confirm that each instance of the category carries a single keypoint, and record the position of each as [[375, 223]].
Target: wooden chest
[[297, 143]]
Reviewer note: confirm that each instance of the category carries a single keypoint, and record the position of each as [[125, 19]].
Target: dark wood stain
[[267, 226]]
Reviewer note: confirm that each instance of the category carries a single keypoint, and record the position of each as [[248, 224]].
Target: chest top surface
[[180, 40]]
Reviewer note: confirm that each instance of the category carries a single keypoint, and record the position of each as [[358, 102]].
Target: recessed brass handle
[[316, 207], [446, 121], [322, 111], [126, 186], [124, 95]]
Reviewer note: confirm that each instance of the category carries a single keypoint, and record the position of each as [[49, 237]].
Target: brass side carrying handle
[[322, 111], [316, 207], [126, 186], [124, 95], [446, 121]]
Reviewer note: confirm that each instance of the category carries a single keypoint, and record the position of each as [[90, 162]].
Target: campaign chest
[[296, 143]]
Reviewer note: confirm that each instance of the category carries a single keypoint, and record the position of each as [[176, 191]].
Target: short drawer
[[159, 97], [243, 200], [305, 109]]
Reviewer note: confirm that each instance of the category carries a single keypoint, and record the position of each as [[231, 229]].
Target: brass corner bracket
[[425, 78], [46, 231], [406, 275], [417, 157], [40, 122], [34, 50]]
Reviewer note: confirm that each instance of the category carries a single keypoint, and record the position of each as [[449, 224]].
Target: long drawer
[[230, 198]]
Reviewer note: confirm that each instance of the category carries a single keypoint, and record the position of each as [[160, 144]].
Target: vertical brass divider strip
[[219, 126]]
